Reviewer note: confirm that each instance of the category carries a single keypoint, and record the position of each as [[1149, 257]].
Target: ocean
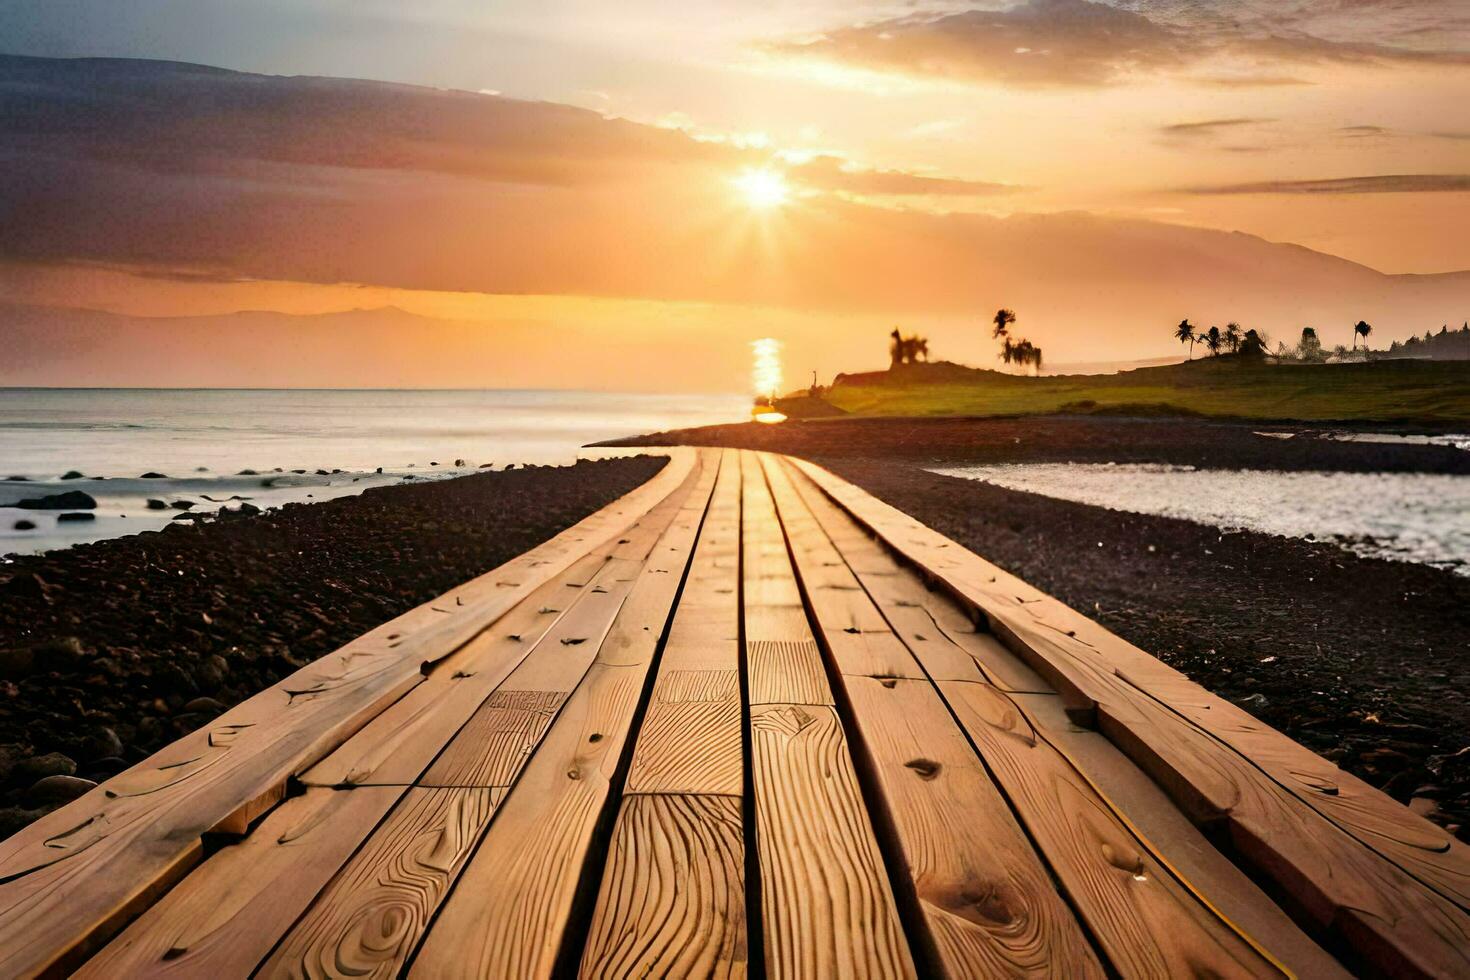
[[201, 439]]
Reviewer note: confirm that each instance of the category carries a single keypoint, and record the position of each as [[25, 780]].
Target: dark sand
[[1365, 661], [111, 650]]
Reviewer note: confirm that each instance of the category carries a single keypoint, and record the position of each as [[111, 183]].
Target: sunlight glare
[[765, 375], [763, 189]]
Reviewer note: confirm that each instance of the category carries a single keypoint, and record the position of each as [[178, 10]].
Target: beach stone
[[107, 767], [76, 517], [182, 504], [155, 504], [203, 706], [70, 500], [150, 475], [247, 473], [71, 475], [7, 761], [16, 661], [24, 525], [459, 462], [42, 766], [57, 789], [102, 743], [322, 473], [66, 649]]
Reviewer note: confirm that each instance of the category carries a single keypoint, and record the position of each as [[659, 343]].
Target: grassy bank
[[1384, 391]]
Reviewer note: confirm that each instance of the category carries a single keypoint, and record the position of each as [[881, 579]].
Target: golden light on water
[[765, 374], [762, 188], [770, 418]]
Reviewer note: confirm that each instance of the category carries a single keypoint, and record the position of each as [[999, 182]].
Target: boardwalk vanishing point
[[746, 720]]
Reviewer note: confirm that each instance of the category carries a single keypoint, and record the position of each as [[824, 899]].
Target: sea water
[[1418, 517], [201, 440]]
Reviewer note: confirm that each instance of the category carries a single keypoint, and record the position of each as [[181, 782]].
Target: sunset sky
[[623, 195]]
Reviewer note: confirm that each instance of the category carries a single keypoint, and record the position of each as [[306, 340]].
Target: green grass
[[1383, 391]]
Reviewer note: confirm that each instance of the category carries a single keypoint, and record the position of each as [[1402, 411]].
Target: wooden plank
[[493, 745], [827, 908], [396, 746], [1148, 922], [510, 913], [1357, 867], [223, 919], [138, 831], [690, 739], [986, 901], [372, 914], [826, 905], [672, 902], [1157, 820]]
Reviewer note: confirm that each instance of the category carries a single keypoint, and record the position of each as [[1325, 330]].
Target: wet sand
[[108, 651]]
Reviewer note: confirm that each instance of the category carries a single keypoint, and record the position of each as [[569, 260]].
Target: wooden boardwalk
[[745, 720]]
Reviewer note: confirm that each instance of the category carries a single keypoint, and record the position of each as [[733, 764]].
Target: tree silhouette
[[1002, 320], [1184, 333], [1232, 336], [1213, 341], [906, 350], [1253, 344], [1361, 329], [1310, 348]]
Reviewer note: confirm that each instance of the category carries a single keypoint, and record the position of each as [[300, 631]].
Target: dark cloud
[[1083, 43], [1382, 184], [1207, 127]]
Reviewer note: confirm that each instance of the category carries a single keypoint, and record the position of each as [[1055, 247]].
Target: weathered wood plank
[[987, 903], [1357, 867], [494, 744], [370, 917], [396, 746], [510, 914], [1145, 807], [827, 908], [690, 739], [224, 918], [136, 832], [1147, 920], [672, 902]]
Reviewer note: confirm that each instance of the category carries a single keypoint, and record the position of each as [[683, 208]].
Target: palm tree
[[1003, 320], [1361, 329], [1213, 340], [1232, 336], [1184, 333]]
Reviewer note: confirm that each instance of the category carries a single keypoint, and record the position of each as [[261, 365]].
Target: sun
[[763, 189]]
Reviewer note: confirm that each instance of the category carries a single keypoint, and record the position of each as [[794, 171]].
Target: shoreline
[[110, 650]]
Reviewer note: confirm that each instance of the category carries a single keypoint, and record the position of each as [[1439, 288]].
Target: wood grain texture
[[690, 739], [493, 745], [1358, 867], [672, 900], [72, 878], [1147, 922], [1144, 806], [371, 916], [397, 746], [223, 918], [989, 904], [826, 906], [509, 915]]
